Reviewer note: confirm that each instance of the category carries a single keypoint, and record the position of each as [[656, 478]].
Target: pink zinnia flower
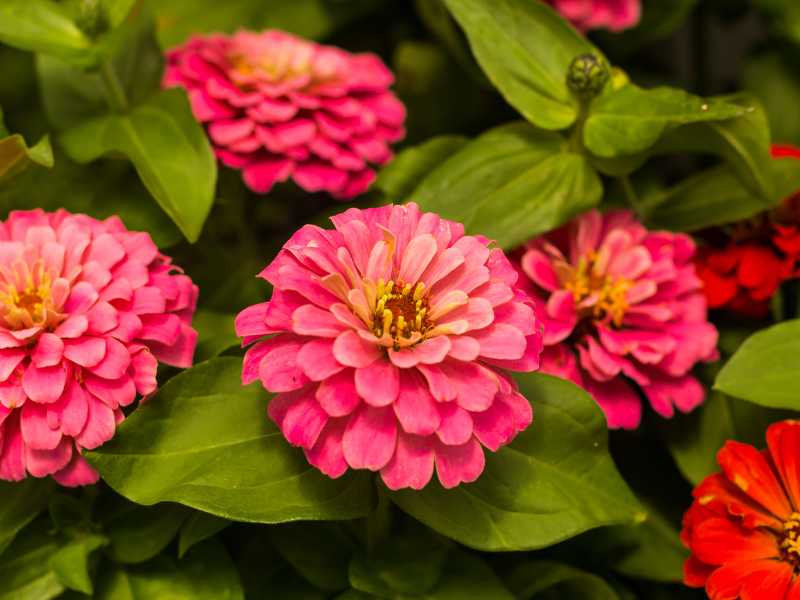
[[394, 334], [615, 15], [276, 106], [621, 305], [87, 309]]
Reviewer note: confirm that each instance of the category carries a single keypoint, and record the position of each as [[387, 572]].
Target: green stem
[[576, 135], [378, 523], [115, 93], [631, 195]]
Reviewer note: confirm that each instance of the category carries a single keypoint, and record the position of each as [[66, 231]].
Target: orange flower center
[[26, 298], [597, 295], [401, 310], [790, 541]]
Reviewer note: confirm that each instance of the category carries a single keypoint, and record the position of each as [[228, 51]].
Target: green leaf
[[511, 183], [407, 563], [206, 442], [206, 573], [774, 81], [716, 197], [70, 563], [25, 572], [138, 533], [399, 178], [553, 482], [744, 142], [20, 502], [178, 19], [547, 580], [199, 527], [764, 370], [15, 156], [320, 552], [695, 439], [216, 333], [466, 576], [82, 189], [525, 48], [632, 119], [167, 146], [43, 26]]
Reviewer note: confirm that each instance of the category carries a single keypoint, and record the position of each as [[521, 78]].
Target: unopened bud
[[587, 75], [92, 18]]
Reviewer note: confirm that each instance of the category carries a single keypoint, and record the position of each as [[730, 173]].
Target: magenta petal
[[314, 321], [495, 426], [261, 176], [412, 463], [41, 463], [115, 362], [44, 384], [252, 321], [303, 420], [12, 453], [415, 407], [113, 392], [86, 351], [501, 341], [476, 385], [455, 425], [317, 361], [378, 383], [278, 369], [10, 359], [77, 472], [370, 437], [35, 430], [337, 394], [327, 454], [100, 425], [459, 464], [619, 402], [48, 352], [71, 410], [353, 351]]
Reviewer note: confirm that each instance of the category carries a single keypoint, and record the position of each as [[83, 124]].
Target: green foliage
[[546, 580], [25, 572], [204, 441], [553, 482]]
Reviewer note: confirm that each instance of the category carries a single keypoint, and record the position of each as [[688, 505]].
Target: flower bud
[[587, 76], [92, 18]]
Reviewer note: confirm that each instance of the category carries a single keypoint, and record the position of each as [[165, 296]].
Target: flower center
[[597, 295], [790, 542], [401, 311], [27, 301]]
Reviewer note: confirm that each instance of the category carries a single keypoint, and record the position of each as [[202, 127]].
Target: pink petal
[[415, 407], [85, 351], [370, 437], [44, 384], [71, 410], [327, 454], [99, 427], [317, 361], [501, 341], [35, 430], [41, 463], [337, 394], [417, 256], [378, 383], [303, 421], [12, 458], [261, 176], [11, 358], [537, 266], [428, 352], [412, 463], [278, 369], [619, 402], [252, 321], [455, 426], [114, 363], [77, 472], [495, 426], [352, 351], [314, 321], [459, 464], [113, 392]]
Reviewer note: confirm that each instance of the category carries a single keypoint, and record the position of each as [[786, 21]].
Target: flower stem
[[115, 93], [378, 523]]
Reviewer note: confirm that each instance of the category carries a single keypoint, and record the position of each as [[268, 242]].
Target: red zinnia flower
[[758, 256], [743, 528]]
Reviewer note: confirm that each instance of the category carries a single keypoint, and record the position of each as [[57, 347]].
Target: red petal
[[720, 541]]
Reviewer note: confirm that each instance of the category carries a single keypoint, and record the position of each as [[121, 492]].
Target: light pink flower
[[87, 309], [615, 15], [621, 305], [394, 335], [276, 106]]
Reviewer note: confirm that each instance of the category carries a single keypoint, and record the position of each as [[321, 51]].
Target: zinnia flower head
[[277, 106], [621, 305], [87, 309], [394, 334], [743, 265], [743, 528], [615, 15]]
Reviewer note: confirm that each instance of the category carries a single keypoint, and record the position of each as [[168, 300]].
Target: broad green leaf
[[178, 19], [399, 178], [465, 575], [511, 183], [20, 502], [117, 10], [786, 15], [525, 48], [632, 119], [205, 573], [43, 26], [547, 580], [25, 572], [554, 481], [743, 142], [695, 439], [320, 552], [216, 333], [408, 562], [198, 527], [87, 189], [205, 441], [70, 562], [716, 197], [167, 146], [776, 84], [137, 533], [765, 369], [16, 156]]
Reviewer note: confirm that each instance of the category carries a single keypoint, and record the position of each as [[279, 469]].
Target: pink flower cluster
[[278, 106], [615, 15], [393, 333], [618, 300], [87, 309]]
